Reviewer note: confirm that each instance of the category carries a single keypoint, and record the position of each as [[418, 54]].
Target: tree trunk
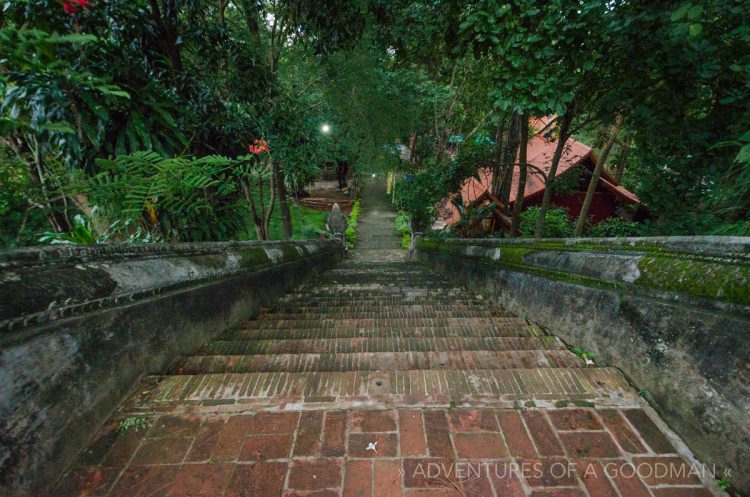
[[518, 206], [257, 222], [595, 176], [498, 169], [510, 152], [271, 201], [620, 171], [165, 23], [286, 215], [549, 187]]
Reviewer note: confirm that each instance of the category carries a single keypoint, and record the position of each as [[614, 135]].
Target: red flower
[[258, 146], [71, 6]]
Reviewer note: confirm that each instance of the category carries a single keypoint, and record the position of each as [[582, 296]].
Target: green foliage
[[726, 485], [570, 182], [615, 226], [676, 166], [81, 233], [181, 198], [402, 226], [176, 80], [133, 423], [584, 354], [19, 220], [558, 224], [469, 224], [351, 226], [471, 155], [417, 193]]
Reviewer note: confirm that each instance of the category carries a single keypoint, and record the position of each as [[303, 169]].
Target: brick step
[[386, 281], [315, 303], [230, 392], [394, 243], [366, 265], [382, 237], [428, 332], [373, 230], [393, 344], [368, 361], [400, 269], [384, 284], [404, 275], [395, 312], [389, 239], [374, 291], [482, 323], [380, 294]]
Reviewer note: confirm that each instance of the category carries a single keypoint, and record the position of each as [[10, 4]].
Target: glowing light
[[325, 128]]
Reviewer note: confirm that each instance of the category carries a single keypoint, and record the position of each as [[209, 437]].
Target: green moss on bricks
[[642, 247], [726, 279], [513, 255], [423, 244], [290, 253], [715, 280], [254, 257]]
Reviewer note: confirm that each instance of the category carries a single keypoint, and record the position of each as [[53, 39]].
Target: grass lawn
[[306, 222]]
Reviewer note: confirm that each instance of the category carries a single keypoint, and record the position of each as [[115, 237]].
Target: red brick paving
[[358, 479], [651, 434], [334, 433], [541, 432], [480, 445], [516, 434], [471, 452], [411, 427], [308, 434], [263, 447]]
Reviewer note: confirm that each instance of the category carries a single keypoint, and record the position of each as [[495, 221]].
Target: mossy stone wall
[[80, 325], [672, 313]]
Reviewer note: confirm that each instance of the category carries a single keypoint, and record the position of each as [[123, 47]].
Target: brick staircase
[[349, 385], [380, 329]]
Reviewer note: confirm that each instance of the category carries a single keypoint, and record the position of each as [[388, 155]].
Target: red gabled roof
[[541, 148]]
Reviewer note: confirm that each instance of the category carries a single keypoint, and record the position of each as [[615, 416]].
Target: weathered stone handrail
[[43, 284], [672, 313], [80, 325]]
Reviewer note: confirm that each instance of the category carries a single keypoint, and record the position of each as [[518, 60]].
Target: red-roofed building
[[576, 164]]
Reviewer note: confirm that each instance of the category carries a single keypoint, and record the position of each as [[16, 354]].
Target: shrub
[[557, 224], [351, 226], [615, 226], [419, 191], [402, 225]]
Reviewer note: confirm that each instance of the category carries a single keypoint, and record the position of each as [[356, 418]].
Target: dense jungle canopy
[[198, 120]]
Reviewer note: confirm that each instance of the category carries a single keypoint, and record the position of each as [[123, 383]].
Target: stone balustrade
[[80, 325], [672, 313]]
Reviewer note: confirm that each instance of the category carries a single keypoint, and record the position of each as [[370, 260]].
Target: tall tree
[[522, 173], [601, 161]]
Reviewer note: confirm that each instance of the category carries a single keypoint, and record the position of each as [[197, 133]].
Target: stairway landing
[[380, 379]]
